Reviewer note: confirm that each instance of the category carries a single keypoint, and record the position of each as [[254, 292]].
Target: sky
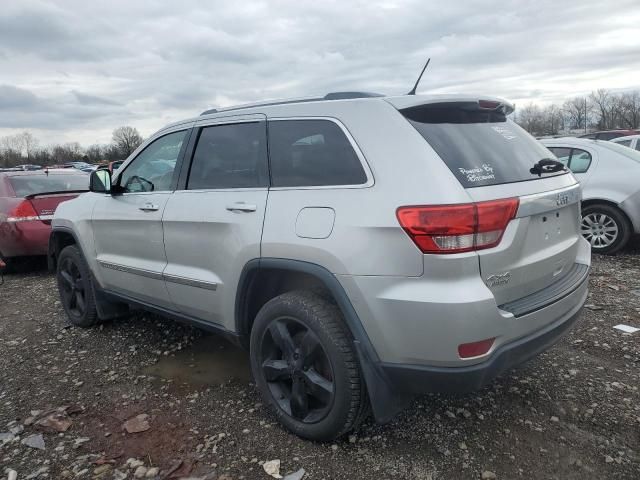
[[73, 70]]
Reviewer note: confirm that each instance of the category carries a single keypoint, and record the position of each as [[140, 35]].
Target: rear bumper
[[24, 238], [631, 206], [418, 379]]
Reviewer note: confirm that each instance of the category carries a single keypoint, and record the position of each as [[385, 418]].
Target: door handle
[[149, 207], [241, 207]]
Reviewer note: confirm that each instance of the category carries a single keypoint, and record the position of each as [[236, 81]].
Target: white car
[[610, 178], [631, 141]]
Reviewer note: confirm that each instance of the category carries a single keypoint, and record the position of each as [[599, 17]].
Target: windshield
[[479, 147], [25, 185]]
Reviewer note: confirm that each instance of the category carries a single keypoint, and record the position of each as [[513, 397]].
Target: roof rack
[[328, 96], [350, 95]]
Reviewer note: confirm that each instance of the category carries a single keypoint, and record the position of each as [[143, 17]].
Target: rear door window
[[576, 159], [480, 147], [306, 153], [580, 160], [562, 153], [230, 156]]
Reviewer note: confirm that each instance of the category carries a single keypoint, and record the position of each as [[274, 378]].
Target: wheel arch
[[261, 279], [601, 201], [62, 237], [59, 239]]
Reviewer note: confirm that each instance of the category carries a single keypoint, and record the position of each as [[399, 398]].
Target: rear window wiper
[[547, 165]]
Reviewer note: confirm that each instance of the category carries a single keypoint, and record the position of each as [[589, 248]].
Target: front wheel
[[75, 287], [305, 366], [605, 228]]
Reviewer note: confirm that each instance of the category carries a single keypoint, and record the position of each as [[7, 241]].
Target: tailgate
[[495, 159], [540, 245]]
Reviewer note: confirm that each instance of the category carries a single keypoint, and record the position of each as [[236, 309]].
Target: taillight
[[23, 212], [457, 228]]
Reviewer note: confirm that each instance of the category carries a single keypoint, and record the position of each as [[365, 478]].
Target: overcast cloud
[[73, 70]]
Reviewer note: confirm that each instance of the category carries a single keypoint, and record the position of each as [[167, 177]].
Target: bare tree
[[576, 111], [29, 143], [602, 102], [552, 120], [630, 110], [95, 153], [531, 119], [126, 139]]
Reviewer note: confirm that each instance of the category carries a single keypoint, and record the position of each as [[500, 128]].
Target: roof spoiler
[[58, 192]]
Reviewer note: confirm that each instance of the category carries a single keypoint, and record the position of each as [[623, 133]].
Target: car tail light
[[457, 228], [488, 104], [23, 212], [475, 349]]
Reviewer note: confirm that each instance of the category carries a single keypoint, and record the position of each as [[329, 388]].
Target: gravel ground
[[573, 412]]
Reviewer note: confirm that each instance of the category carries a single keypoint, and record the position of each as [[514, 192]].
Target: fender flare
[[107, 309], [385, 400], [51, 246]]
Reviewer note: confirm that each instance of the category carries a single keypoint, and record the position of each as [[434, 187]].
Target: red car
[[608, 134], [28, 200]]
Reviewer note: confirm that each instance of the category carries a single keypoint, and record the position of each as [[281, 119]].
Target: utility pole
[[585, 114]]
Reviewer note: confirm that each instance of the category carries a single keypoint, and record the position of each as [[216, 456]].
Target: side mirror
[[100, 181]]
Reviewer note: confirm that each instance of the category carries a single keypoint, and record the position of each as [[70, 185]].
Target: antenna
[[413, 90]]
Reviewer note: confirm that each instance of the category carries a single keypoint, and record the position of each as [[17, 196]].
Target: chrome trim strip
[[547, 201], [134, 271], [160, 276], [190, 282]]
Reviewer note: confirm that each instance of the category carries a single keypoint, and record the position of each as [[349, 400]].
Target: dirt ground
[[572, 413]]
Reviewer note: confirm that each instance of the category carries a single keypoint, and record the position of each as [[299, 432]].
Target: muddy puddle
[[210, 361]]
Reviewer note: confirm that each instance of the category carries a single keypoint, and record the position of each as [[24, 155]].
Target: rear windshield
[[25, 185], [480, 147]]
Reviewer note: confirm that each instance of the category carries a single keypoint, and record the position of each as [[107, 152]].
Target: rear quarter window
[[479, 147], [308, 153]]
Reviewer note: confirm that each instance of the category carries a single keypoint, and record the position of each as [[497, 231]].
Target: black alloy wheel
[[297, 370], [76, 288]]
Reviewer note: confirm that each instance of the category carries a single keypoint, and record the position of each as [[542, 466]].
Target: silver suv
[[363, 248]]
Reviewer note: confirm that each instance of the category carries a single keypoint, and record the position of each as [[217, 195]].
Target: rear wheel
[[305, 366], [76, 290], [605, 228]]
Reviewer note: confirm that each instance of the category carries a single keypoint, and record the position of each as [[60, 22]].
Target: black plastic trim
[[385, 401], [180, 317], [562, 287], [417, 379], [106, 308], [51, 250]]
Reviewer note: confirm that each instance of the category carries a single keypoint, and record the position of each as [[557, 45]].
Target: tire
[[606, 228], [9, 265], [76, 288], [306, 368]]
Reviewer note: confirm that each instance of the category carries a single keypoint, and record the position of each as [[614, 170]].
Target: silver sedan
[[610, 177]]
